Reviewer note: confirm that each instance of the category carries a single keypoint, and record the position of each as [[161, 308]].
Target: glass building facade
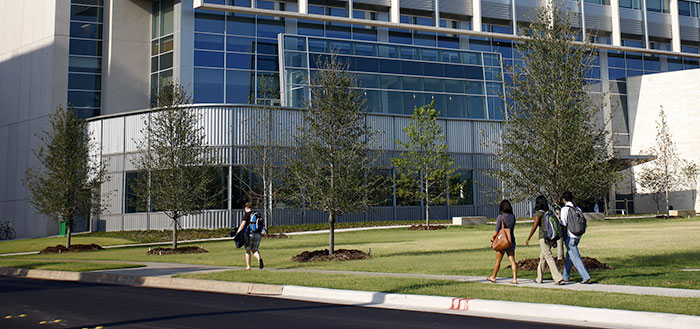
[[85, 57]]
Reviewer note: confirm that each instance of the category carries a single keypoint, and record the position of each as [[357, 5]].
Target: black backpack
[[256, 223], [575, 221]]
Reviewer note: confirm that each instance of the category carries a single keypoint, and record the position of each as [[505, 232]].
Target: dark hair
[[248, 205], [505, 207], [541, 203], [568, 196]]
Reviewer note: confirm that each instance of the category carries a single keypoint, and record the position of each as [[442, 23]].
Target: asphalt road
[[26, 303]]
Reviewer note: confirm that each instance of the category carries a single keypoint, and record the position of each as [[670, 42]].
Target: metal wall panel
[[522, 209], [490, 211], [159, 221], [427, 5], [381, 213], [486, 191], [95, 131], [399, 134], [690, 28], [631, 21], [113, 135], [659, 25], [486, 136], [409, 213], [499, 9], [114, 188], [134, 126], [459, 136], [287, 127], [463, 161], [384, 125], [112, 223], [135, 222], [114, 163], [461, 210], [438, 213], [290, 216], [484, 161], [458, 7], [241, 120], [598, 18], [216, 122]]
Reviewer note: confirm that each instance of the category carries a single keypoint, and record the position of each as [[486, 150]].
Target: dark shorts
[[253, 241]]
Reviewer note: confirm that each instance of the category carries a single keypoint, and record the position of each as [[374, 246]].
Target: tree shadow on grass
[[686, 259]]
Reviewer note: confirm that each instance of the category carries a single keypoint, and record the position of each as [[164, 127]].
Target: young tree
[[425, 165], [550, 142], [179, 171], [330, 169], [68, 184], [662, 175], [691, 173]]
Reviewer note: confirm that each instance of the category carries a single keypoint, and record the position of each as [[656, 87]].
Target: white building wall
[[679, 94], [33, 81]]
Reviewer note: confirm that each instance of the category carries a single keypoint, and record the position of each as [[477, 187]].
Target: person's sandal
[[491, 279], [514, 282], [560, 283]]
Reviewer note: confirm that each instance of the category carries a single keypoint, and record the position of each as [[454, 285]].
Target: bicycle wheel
[[11, 233], [3, 234]]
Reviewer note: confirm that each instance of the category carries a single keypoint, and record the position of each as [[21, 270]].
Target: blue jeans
[[573, 257]]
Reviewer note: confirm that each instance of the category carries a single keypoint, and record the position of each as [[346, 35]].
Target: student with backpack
[[549, 233], [574, 224], [251, 225]]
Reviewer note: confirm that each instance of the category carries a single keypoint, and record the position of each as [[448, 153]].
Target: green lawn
[[37, 244], [64, 266], [641, 252], [463, 290]]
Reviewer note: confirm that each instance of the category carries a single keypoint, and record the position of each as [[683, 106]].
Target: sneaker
[[261, 264], [586, 281]]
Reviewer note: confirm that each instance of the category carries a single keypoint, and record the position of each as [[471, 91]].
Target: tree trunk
[[331, 242], [560, 247], [174, 233], [68, 233], [427, 200], [667, 205]]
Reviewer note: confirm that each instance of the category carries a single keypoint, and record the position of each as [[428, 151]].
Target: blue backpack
[[256, 223]]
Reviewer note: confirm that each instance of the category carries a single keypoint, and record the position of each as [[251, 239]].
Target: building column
[[675, 27], [615, 8], [303, 6], [351, 7], [476, 15], [436, 4], [646, 25], [582, 11], [395, 12]]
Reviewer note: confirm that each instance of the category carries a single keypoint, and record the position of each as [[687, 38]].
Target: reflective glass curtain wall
[[85, 57], [161, 45]]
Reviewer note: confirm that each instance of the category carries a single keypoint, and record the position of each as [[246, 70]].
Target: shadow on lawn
[[686, 259], [436, 252]]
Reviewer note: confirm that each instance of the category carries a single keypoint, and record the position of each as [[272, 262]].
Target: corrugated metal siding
[[598, 22], [112, 223], [409, 213], [135, 222], [459, 135], [427, 5], [486, 135], [160, 221], [95, 131], [287, 127], [487, 188], [113, 135], [522, 209], [493, 9], [458, 7], [631, 26], [384, 126], [114, 188], [381, 213], [399, 134], [690, 28], [659, 30], [458, 211], [216, 122], [133, 129], [115, 163]]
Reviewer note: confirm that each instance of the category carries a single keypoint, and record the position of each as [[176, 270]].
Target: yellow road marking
[[43, 322], [57, 320], [100, 327], [22, 315], [8, 316]]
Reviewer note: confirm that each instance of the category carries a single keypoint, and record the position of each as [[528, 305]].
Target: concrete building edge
[[569, 315]]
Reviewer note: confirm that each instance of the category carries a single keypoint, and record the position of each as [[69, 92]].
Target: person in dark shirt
[[253, 241], [505, 216]]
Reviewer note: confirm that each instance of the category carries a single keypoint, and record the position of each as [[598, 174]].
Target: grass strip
[[64, 266], [449, 288]]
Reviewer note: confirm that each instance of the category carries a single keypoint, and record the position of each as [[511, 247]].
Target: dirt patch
[[275, 236], [59, 249], [590, 263], [178, 250], [421, 227], [323, 256]]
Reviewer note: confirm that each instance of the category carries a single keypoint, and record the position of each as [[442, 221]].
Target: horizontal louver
[[660, 30], [384, 3], [457, 7], [526, 13], [427, 5], [495, 10], [690, 33], [598, 23], [631, 27]]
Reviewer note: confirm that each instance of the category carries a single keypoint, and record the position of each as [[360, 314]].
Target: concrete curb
[[564, 314]]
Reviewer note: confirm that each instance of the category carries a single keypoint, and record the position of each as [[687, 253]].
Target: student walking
[[542, 208], [571, 240], [253, 242], [508, 219]]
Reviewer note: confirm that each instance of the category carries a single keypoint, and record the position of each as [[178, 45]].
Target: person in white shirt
[[571, 241]]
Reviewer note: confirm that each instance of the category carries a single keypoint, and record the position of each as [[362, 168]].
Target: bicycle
[[6, 231]]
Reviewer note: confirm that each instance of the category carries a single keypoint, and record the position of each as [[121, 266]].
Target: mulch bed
[[178, 250], [323, 256], [668, 217], [590, 263], [275, 236], [421, 227], [59, 249]]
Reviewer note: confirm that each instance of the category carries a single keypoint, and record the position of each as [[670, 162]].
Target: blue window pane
[[388, 51], [440, 104], [337, 30], [84, 81], [267, 47], [207, 22], [368, 80], [364, 34], [208, 86], [454, 71], [471, 58], [367, 64], [424, 39], [634, 73], [496, 108], [593, 73], [454, 86], [474, 72], [493, 88], [475, 87], [414, 68], [166, 61], [86, 30], [675, 64], [294, 43], [86, 113], [480, 45], [154, 64], [616, 60], [239, 61], [341, 47], [88, 2], [433, 85], [374, 101], [392, 102], [390, 82], [634, 61], [365, 49], [318, 45], [614, 74], [293, 59], [433, 69], [448, 42], [268, 63], [208, 58], [84, 64], [400, 37], [83, 99], [449, 56], [240, 24], [491, 60], [85, 47], [652, 63], [86, 14], [409, 53], [208, 41], [476, 107], [317, 10], [456, 106], [296, 76], [311, 28], [389, 66], [262, 4], [240, 44], [269, 27], [413, 100], [690, 63], [429, 55], [411, 83], [492, 73]]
